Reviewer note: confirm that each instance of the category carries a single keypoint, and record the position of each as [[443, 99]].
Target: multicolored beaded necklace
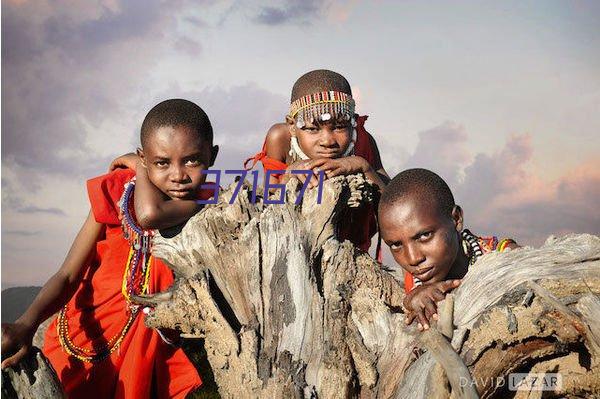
[[135, 282]]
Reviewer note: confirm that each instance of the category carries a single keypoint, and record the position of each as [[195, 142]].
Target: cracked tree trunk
[[288, 311]]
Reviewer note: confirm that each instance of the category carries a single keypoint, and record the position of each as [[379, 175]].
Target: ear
[[291, 125], [213, 154], [140, 153], [457, 217]]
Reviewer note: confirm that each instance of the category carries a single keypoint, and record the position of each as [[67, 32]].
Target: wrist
[[26, 326], [365, 167]]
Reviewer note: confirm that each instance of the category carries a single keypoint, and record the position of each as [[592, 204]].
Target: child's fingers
[[14, 359], [437, 295], [334, 172], [319, 162], [423, 319], [448, 285], [410, 316], [430, 309]]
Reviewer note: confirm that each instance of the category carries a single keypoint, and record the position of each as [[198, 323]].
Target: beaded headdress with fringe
[[322, 106]]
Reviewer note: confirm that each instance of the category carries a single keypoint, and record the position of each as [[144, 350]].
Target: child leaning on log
[[423, 227], [322, 133], [99, 345]]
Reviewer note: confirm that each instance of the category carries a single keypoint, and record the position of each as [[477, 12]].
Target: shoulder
[[104, 193], [278, 141], [279, 133]]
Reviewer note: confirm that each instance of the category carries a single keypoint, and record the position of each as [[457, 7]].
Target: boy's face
[[323, 139], [175, 157], [422, 240]]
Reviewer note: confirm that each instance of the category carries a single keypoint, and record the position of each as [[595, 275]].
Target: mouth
[[180, 193], [424, 273], [329, 154]]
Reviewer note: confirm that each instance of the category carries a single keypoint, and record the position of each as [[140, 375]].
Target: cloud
[[35, 209], [294, 11], [442, 148], [501, 196], [21, 233], [300, 12], [67, 66]]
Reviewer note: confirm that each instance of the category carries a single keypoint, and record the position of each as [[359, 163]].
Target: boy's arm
[[421, 301], [54, 295], [153, 209], [128, 160], [347, 166]]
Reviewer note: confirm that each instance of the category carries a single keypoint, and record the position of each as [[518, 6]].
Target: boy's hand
[[124, 161], [421, 301], [304, 166], [340, 166], [16, 342]]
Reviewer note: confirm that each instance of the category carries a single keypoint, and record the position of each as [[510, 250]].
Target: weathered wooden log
[[32, 378], [287, 310]]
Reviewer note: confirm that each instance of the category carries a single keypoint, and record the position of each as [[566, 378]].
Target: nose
[[327, 138], [178, 174], [414, 255]]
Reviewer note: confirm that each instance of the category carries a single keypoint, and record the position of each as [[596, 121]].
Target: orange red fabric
[[362, 223], [144, 365]]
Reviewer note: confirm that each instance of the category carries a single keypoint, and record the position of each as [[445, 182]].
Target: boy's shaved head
[[177, 112], [424, 185], [319, 80]]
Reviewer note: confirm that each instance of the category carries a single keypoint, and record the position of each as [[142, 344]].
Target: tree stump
[[33, 378], [286, 310]]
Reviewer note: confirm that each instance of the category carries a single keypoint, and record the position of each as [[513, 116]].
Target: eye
[[192, 162], [311, 129], [395, 246], [341, 127], [425, 236], [161, 164]]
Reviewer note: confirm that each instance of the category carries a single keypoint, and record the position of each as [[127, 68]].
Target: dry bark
[[33, 378], [287, 310]]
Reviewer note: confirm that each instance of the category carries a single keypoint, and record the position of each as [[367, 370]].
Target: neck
[[459, 267]]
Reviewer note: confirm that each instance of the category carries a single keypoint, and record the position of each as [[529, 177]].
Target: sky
[[502, 99]]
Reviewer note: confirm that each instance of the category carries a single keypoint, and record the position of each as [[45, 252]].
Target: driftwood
[[33, 378], [288, 311]]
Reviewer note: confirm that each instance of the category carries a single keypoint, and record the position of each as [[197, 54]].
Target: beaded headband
[[322, 106]]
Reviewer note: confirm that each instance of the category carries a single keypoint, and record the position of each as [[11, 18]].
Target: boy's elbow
[[148, 217]]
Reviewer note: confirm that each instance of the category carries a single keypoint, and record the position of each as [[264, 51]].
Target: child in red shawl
[[423, 227], [322, 132], [99, 345]]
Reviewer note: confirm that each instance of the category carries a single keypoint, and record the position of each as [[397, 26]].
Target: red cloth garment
[[362, 224], [143, 366]]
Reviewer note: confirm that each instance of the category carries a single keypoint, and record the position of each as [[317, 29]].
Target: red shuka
[[143, 365], [362, 224]]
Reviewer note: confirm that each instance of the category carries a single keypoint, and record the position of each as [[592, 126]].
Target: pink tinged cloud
[[501, 196]]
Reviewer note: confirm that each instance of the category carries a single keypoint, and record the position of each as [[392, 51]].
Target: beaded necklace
[[135, 282], [472, 246]]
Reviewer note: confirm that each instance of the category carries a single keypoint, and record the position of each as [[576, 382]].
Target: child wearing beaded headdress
[[423, 227], [322, 132], [98, 344]]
